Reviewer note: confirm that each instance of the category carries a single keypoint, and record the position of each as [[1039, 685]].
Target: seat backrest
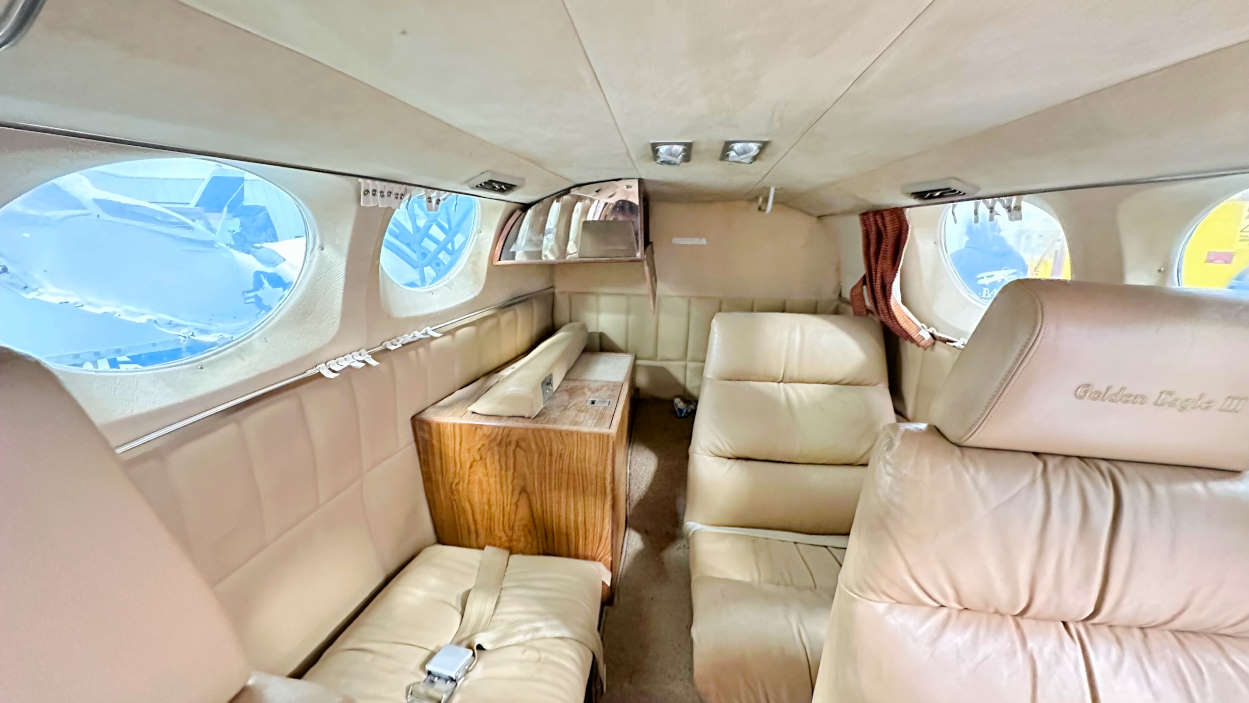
[[1064, 532], [668, 337], [296, 508], [791, 405], [97, 602]]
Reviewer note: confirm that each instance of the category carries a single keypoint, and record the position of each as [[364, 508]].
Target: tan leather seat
[[1071, 527], [386, 647], [791, 405], [760, 613], [99, 602]]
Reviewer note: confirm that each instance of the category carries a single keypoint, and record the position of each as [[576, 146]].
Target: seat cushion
[[760, 614], [386, 647]]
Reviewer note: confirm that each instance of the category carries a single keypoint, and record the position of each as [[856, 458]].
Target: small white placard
[[690, 241], [383, 193]]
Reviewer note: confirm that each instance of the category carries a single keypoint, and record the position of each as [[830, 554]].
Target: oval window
[[1215, 253], [985, 254], [422, 247], [142, 263]]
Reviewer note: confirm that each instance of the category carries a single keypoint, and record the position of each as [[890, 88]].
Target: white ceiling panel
[[160, 71], [710, 70], [511, 73], [967, 65], [1187, 118], [855, 96]]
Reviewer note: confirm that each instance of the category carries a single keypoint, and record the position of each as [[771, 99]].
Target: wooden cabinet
[[553, 484]]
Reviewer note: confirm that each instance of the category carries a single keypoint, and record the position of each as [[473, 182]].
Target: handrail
[[332, 368], [17, 17]]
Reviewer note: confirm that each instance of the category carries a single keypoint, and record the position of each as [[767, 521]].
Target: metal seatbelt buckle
[[451, 662], [442, 674]]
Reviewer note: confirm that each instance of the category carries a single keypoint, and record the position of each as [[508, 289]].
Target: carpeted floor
[[647, 630]]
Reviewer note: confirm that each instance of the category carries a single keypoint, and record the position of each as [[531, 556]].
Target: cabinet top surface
[[587, 399]]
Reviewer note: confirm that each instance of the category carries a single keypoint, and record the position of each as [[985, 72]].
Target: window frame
[[949, 264], [311, 245], [457, 267], [1177, 267]]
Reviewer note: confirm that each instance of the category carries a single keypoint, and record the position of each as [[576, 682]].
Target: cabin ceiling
[[857, 97]]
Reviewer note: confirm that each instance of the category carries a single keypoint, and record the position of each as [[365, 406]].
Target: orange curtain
[[884, 240]]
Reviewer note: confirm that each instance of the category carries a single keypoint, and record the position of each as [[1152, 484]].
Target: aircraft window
[[985, 254], [1215, 253], [422, 248], [137, 264]]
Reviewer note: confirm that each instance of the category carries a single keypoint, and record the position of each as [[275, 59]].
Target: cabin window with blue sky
[[140, 264], [425, 247]]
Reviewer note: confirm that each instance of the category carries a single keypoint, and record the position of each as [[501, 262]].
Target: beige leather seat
[[97, 602], [791, 405], [100, 603], [387, 646], [1072, 526]]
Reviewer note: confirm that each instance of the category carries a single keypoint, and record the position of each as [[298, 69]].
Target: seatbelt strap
[[520, 633], [483, 596]]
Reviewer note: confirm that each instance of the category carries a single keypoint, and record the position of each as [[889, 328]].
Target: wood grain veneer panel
[[555, 484], [530, 490]]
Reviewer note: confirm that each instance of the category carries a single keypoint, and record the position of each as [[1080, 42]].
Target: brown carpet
[[646, 632]]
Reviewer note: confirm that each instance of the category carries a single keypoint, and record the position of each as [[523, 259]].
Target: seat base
[[761, 610], [386, 647]]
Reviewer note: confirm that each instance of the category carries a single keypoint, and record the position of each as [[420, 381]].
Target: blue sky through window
[[422, 248], [141, 263]]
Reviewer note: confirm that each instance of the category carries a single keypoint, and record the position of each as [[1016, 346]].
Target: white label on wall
[[690, 241], [383, 193]]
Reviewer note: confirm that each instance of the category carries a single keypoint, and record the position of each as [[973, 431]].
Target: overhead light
[[741, 151], [671, 153]]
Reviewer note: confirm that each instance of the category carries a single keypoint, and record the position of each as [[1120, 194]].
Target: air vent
[[496, 183], [939, 190]]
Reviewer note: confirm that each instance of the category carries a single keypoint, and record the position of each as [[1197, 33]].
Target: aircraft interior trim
[[561, 351]]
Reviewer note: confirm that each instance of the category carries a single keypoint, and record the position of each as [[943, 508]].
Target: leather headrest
[[782, 347], [1135, 373], [97, 602]]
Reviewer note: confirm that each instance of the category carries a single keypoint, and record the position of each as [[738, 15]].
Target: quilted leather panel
[[670, 343], [296, 507]]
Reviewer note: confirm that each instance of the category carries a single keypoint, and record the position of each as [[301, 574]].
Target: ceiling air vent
[[496, 183], [939, 190]]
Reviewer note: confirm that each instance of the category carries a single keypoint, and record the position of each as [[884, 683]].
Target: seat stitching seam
[[1021, 360], [841, 587], [777, 461]]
